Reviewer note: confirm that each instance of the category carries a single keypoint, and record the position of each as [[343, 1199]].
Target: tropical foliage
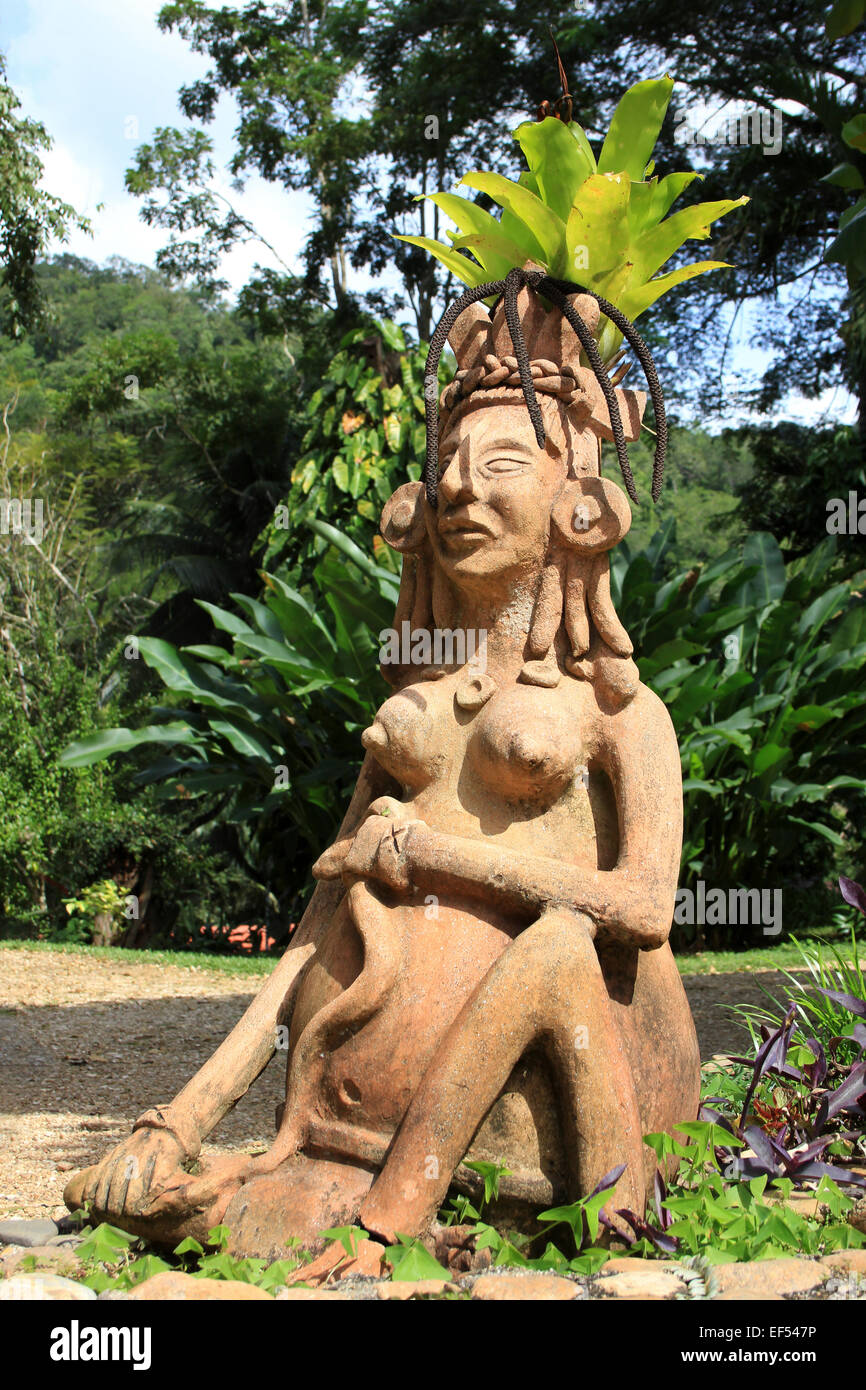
[[761, 666], [265, 738]]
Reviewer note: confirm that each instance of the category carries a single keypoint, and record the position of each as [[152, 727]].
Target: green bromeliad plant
[[602, 223]]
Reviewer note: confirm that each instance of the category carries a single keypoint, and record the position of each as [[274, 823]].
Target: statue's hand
[[130, 1176], [330, 864], [380, 848]]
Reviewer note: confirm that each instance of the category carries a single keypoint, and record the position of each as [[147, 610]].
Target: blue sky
[[101, 76]]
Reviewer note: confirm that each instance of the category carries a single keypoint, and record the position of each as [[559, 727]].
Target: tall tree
[[30, 218], [776, 57], [286, 66], [372, 106]]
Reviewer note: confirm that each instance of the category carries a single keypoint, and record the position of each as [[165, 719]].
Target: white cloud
[[101, 77]]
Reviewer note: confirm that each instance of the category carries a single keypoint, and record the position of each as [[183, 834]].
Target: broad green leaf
[[496, 253], [393, 335], [814, 716], [854, 132], [653, 200], [493, 249], [817, 614], [558, 161], [354, 553], [204, 652], [465, 270], [185, 675], [92, 749], [596, 235], [819, 828], [844, 176], [296, 614], [242, 740], [849, 246], [409, 1260], [547, 229], [575, 129], [771, 755], [262, 615], [656, 246], [844, 17], [635, 127], [223, 620], [638, 298], [769, 581], [280, 655]]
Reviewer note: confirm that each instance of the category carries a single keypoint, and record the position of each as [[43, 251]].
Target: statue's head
[[515, 514]]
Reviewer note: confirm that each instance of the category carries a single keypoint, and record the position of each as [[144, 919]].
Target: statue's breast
[[509, 759], [528, 744]]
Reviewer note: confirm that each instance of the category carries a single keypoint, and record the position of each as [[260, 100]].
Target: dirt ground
[[86, 1045]]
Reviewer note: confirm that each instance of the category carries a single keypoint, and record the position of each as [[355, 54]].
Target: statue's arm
[[229, 1073], [632, 902]]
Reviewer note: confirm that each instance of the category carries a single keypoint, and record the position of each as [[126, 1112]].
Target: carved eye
[[506, 465]]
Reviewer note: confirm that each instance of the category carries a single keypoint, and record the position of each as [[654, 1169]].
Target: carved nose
[[455, 484], [375, 737]]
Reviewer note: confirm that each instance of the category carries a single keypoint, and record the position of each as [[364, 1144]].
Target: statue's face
[[496, 490]]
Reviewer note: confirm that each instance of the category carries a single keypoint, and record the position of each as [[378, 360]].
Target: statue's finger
[[122, 1172], [77, 1190], [103, 1186]]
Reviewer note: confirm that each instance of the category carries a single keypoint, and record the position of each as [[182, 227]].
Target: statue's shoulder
[[645, 715]]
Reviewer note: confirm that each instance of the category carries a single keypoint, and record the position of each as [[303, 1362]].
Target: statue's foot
[[179, 1205], [270, 1205], [274, 1212]]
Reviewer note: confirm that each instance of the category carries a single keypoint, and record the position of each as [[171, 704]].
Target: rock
[[334, 1263], [43, 1286], [172, 1285], [403, 1289], [52, 1258], [852, 1261], [857, 1215], [454, 1248], [285, 1295], [507, 1288], [67, 1242], [783, 1276], [733, 1297], [21, 1232], [630, 1264], [645, 1283]]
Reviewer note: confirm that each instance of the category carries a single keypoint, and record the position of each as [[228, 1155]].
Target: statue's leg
[[363, 998], [546, 987]]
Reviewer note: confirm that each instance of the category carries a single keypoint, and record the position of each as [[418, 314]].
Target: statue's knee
[[561, 940]]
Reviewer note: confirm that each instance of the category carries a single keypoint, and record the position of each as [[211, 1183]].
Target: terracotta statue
[[483, 971]]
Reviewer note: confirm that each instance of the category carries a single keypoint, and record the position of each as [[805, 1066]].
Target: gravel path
[[87, 1044]]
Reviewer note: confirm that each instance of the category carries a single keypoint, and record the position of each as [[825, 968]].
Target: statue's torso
[[514, 773]]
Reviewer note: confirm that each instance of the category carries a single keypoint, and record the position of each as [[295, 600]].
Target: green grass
[[187, 960], [781, 957]]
